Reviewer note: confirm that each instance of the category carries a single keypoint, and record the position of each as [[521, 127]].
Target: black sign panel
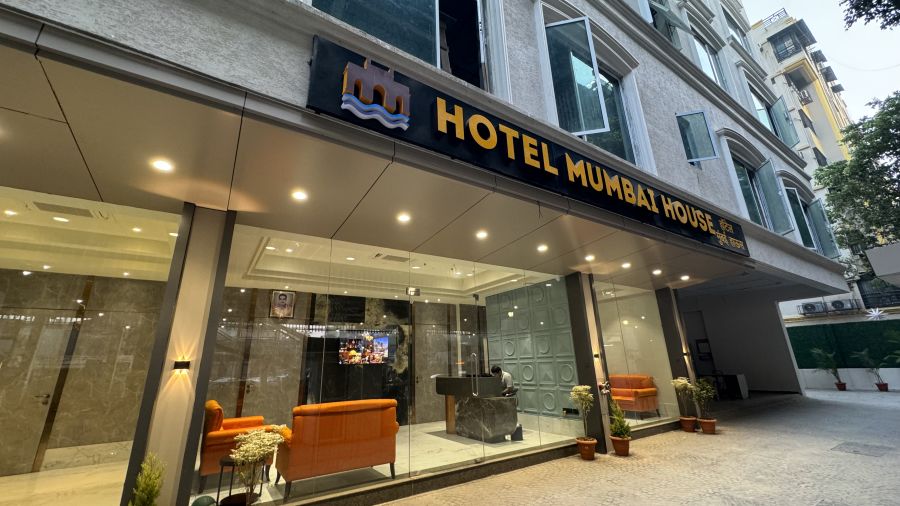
[[349, 86]]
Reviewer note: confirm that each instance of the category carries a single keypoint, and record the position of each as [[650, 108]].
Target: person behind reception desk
[[507, 380]]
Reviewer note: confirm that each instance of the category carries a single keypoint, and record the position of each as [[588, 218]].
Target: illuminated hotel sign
[[353, 88]]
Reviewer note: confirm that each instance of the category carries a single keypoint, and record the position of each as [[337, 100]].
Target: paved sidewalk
[[830, 448]]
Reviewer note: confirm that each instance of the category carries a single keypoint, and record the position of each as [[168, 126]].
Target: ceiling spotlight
[[481, 234], [345, 292], [126, 274], [589, 258], [136, 229], [10, 212], [685, 277], [173, 234], [439, 300], [403, 218], [46, 267], [542, 248], [416, 267], [243, 290], [549, 284], [270, 248], [470, 275], [99, 314], [657, 272], [162, 165], [230, 310], [289, 250], [287, 287], [60, 219], [299, 195], [26, 273], [626, 265], [350, 259], [624, 322], [643, 317]]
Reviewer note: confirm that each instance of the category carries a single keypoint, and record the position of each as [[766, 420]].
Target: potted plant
[[149, 482], [704, 392], [619, 430], [825, 362], [873, 368], [684, 390], [582, 397], [250, 455]]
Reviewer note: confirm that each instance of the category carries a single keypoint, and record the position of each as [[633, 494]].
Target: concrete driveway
[[829, 448]]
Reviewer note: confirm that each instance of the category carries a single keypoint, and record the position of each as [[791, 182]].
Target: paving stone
[[827, 449]]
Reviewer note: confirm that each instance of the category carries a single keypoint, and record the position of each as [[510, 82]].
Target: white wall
[[856, 379]]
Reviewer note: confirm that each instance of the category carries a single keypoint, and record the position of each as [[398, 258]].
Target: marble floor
[[96, 484], [423, 448]]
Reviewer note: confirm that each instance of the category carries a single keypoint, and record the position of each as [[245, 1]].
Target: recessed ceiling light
[[287, 286], [515, 307], [549, 284], [46, 267], [589, 258], [457, 273], [162, 165], [626, 265], [542, 248], [243, 290], [99, 314], [173, 234], [270, 248], [10, 212], [60, 219], [345, 291], [289, 250], [127, 327], [685, 277], [481, 234], [470, 274], [426, 301], [403, 217], [416, 267], [396, 296], [350, 259], [624, 322], [439, 300], [299, 195], [230, 310], [26, 273], [643, 317], [136, 229], [126, 274], [657, 272]]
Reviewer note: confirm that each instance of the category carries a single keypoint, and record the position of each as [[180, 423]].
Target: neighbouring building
[[341, 216]]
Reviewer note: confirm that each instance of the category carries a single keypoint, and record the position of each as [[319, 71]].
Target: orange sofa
[[337, 436], [634, 392], [218, 437]]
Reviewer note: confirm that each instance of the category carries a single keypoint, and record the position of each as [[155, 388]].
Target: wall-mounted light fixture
[[181, 366]]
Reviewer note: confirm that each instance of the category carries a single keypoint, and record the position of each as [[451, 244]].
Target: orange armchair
[[634, 392], [218, 437], [337, 436]]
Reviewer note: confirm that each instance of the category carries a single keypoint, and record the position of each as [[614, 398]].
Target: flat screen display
[[366, 349]]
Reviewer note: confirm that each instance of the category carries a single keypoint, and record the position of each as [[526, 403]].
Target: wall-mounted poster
[[282, 305]]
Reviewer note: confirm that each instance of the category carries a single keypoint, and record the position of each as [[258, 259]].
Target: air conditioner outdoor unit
[[843, 305], [811, 308]]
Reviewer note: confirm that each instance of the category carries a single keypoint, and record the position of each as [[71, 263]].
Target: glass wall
[[636, 358], [81, 285], [379, 361]]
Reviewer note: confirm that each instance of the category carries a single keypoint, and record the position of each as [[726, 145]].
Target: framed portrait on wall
[[282, 304]]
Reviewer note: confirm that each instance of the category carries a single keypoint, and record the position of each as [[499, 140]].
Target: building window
[[709, 62], [800, 211], [576, 78], [807, 123], [442, 32], [750, 190], [785, 47], [762, 110], [763, 194], [735, 31], [696, 136], [820, 157], [776, 118], [822, 227], [618, 139], [666, 22]]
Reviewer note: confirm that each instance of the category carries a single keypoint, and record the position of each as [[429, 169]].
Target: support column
[[175, 423]]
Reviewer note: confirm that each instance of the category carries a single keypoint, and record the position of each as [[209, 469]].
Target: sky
[[865, 58]]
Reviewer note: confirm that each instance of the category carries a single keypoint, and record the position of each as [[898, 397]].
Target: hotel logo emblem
[[371, 93]]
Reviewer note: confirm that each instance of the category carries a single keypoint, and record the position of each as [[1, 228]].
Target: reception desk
[[476, 409]]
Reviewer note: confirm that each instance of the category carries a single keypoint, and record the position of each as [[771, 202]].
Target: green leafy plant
[[684, 389], [894, 356], [618, 427], [149, 482], [582, 397], [703, 393], [826, 362], [869, 363]]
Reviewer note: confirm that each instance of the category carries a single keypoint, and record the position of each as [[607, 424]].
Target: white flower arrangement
[[251, 452]]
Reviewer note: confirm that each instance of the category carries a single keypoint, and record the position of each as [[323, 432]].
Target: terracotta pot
[[620, 444], [882, 387], [688, 423], [708, 425], [586, 447], [841, 386]]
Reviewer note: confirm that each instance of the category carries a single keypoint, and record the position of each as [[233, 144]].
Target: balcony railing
[[784, 52], [876, 292]]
